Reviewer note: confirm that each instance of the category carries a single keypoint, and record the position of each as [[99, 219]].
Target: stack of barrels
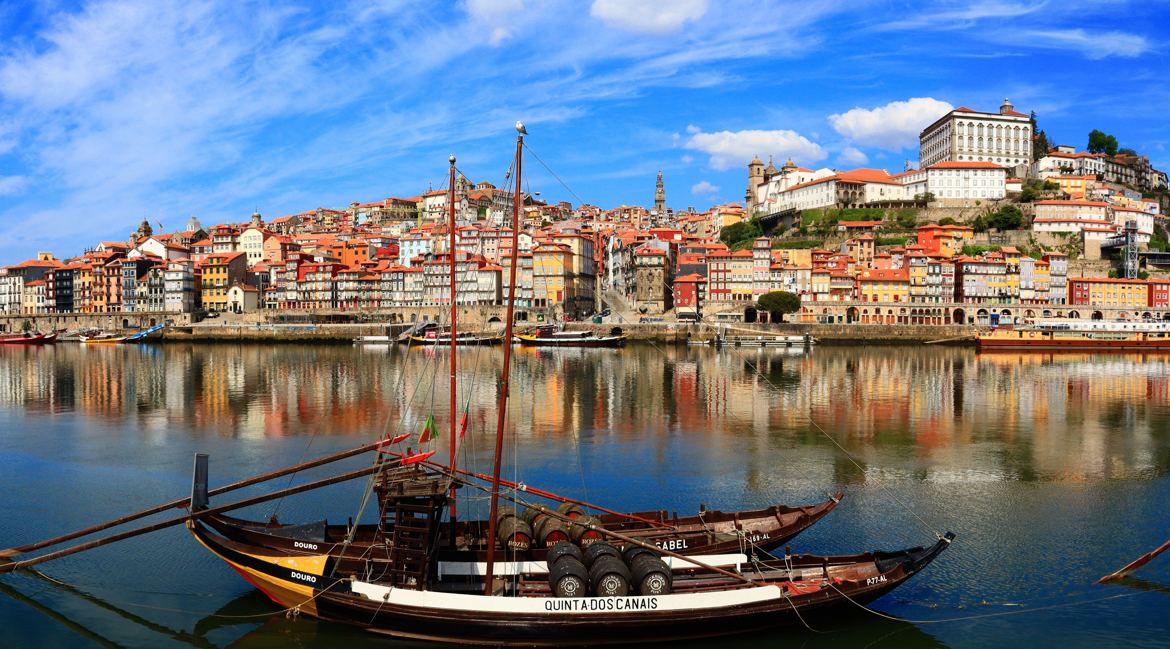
[[604, 571], [518, 532]]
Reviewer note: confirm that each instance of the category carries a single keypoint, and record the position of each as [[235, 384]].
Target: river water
[[1052, 470]]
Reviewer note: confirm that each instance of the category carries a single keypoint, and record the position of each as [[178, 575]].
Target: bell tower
[[659, 195]]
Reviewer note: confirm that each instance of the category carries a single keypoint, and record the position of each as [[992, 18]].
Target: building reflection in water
[[958, 414]]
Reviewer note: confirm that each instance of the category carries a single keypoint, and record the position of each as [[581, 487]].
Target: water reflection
[[248, 622], [1053, 417]]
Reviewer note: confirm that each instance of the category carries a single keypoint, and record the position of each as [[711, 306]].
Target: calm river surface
[[1052, 470]]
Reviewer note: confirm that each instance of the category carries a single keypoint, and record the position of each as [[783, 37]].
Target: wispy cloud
[[649, 16], [951, 15], [1091, 45]]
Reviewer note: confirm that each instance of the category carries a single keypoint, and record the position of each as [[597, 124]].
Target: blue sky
[[113, 111]]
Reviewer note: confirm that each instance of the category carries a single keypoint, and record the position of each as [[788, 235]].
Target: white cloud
[[1096, 45], [703, 187], [652, 16], [686, 159], [734, 148], [852, 156], [894, 126], [962, 17], [495, 16], [12, 184]]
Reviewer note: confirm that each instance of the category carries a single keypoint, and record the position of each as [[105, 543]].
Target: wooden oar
[[183, 502], [553, 496], [179, 520], [1134, 565]]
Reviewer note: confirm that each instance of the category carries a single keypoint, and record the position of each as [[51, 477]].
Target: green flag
[[428, 431]]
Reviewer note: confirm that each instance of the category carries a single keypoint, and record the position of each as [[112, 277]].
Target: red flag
[[462, 426]]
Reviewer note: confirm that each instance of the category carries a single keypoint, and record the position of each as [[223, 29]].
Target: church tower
[[659, 196], [257, 222], [755, 179]]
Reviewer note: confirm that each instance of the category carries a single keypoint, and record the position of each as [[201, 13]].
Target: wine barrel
[[571, 510], [537, 519], [505, 513], [650, 575], [561, 550], [514, 534], [597, 550], [609, 577], [568, 578], [580, 533], [551, 530], [528, 514], [635, 551]]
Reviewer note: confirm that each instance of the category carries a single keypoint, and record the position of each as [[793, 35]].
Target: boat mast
[[454, 311], [502, 407]]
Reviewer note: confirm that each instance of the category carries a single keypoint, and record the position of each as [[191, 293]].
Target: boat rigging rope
[[404, 413], [965, 618], [787, 598]]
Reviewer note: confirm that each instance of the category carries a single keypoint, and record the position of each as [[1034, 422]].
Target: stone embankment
[[658, 332]]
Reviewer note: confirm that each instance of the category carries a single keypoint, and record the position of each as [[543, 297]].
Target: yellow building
[[218, 272], [552, 263], [1108, 292], [884, 285], [1074, 186], [918, 270]]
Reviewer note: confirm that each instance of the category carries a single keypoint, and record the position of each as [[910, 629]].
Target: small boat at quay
[[29, 338], [101, 339], [1070, 335], [555, 336], [439, 337]]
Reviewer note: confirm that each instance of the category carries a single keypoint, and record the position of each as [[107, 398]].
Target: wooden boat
[[1058, 335], [753, 532], [553, 336], [437, 337], [404, 591], [102, 339], [29, 338]]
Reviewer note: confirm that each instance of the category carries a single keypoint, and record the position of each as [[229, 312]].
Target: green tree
[[946, 220], [1008, 217], [737, 232], [777, 303], [1101, 142], [26, 326], [1127, 151]]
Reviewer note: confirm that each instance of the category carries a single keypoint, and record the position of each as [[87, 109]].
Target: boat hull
[[712, 533], [460, 341], [781, 593], [549, 341], [31, 339], [1074, 344], [102, 341]]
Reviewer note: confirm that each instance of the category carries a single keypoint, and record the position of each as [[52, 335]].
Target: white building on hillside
[[1060, 162], [966, 135], [960, 184]]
